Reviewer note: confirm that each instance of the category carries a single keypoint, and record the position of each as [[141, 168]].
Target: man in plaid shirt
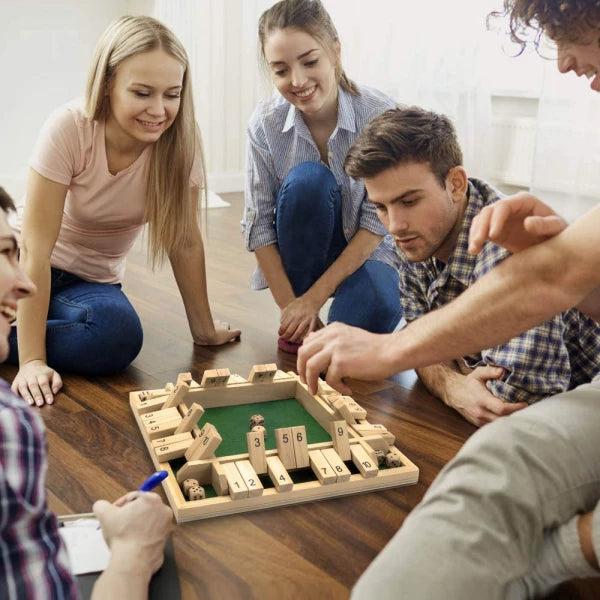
[[33, 560], [427, 203]]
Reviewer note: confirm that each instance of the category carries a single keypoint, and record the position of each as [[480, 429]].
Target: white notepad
[[87, 550]]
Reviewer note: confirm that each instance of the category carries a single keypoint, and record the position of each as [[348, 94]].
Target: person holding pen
[[33, 559]]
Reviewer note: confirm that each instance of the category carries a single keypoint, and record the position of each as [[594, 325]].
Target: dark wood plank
[[302, 551]]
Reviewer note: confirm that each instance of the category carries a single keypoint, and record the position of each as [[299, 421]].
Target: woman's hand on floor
[[221, 334], [37, 383], [299, 318]]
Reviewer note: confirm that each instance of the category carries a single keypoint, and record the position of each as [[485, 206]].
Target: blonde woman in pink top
[[130, 156]]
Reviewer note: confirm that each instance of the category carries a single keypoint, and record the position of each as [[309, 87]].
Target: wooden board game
[[310, 447]]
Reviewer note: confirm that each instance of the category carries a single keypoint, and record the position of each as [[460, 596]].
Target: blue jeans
[[92, 328], [310, 238]]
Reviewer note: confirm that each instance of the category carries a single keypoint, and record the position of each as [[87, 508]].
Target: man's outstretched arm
[[526, 289]]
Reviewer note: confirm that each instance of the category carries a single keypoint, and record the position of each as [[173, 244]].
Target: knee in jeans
[[309, 180], [122, 339]]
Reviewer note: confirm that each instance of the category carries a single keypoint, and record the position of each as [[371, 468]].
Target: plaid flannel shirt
[[33, 561], [556, 356]]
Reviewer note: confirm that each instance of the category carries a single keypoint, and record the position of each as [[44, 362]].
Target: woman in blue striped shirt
[[312, 228]]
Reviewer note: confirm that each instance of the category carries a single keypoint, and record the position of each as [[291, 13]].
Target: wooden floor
[[315, 550]]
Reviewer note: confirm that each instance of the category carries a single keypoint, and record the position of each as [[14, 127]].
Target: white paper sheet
[[88, 552]]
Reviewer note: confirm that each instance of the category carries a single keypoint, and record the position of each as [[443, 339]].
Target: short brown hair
[[561, 20], [311, 17], [6, 202], [404, 135]]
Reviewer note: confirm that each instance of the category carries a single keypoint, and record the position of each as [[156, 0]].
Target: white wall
[[45, 50], [46, 46], [222, 43]]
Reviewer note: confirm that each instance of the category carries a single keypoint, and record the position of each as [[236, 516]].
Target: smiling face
[[302, 70], [423, 217], [144, 98], [582, 57], [14, 284]]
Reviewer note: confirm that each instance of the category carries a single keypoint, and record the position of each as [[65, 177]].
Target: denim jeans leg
[[369, 299], [308, 222], [92, 328]]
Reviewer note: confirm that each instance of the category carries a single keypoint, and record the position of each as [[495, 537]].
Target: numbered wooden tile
[[300, 446], [157, 416], [256, 451], [171, 451], [218, 479], [210, 378], [370, 428], [349, 409], [171, 439], [205, 444], [223, 376], [285, 447], [321, 468], [187, 377], [250, 477], [269, 372], [368, 449], [150, 405], [278, 474], [156, 430], [191, 418], [341, 471], [364, 463], [339, 436], [257, 374], [235, 481], [177, 395]]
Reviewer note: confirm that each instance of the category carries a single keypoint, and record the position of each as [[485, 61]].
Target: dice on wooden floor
[[256, 420]]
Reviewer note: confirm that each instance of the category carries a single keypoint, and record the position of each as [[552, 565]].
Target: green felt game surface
[[233, 422]]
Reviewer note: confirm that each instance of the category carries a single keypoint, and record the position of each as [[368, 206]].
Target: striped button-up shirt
[[278, 140], [33, 561], [551, 358]]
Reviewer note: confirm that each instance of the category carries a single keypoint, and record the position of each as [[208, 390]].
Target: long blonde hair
[[311, 17], [172, 211]]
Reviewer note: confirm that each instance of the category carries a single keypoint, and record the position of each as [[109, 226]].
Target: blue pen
[[150, 483]]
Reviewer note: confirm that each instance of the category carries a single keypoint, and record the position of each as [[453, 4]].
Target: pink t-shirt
[[103, 213]]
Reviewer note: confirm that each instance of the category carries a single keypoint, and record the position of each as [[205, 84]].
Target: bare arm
[[269, 260], [190, 274], [590, 305], [35, 381], [526, 289], [468, 393], [136, 532]]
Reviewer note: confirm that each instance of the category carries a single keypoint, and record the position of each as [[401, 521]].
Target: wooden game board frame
[[240, 391]]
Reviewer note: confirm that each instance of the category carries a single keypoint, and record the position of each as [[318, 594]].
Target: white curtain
[[221, 40], [430, 53], [566, 168]]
